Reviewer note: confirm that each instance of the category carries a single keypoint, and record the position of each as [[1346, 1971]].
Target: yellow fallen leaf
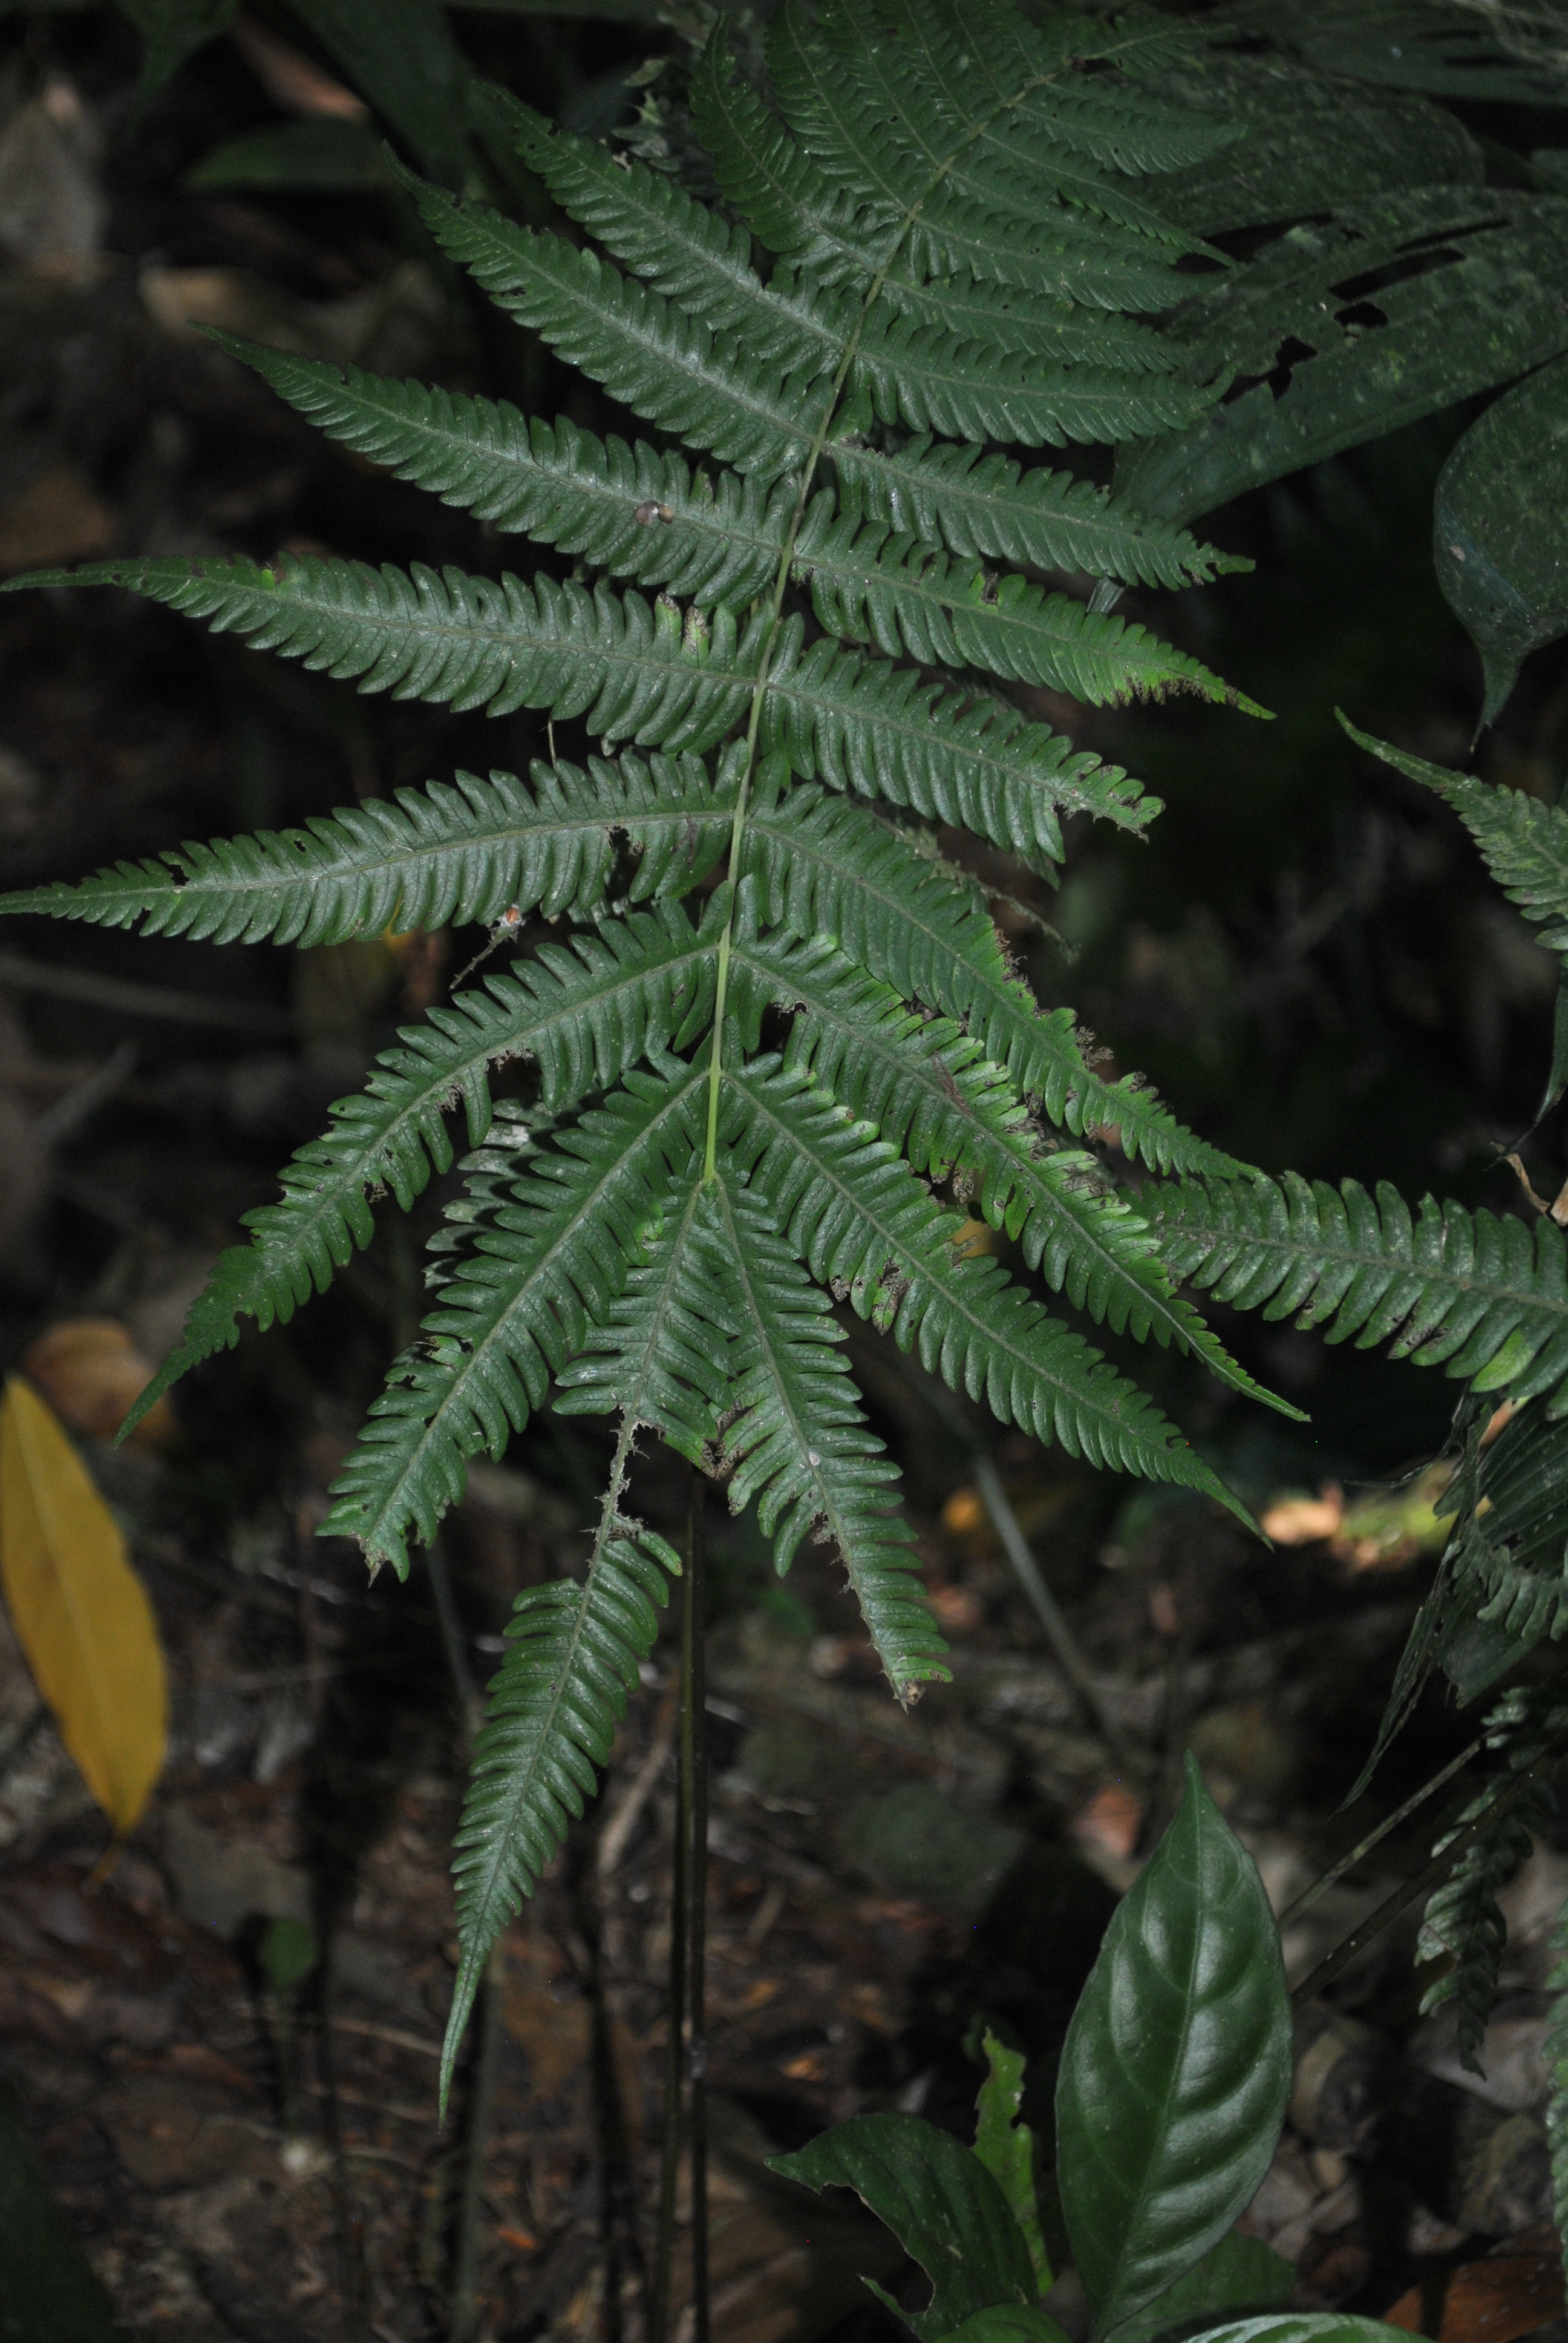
[[80, 1613]]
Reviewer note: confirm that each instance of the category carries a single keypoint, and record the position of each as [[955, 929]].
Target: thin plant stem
[[465, 2314], [1363, 1846], [1423, 1881], [675, 2022], [1047, 1609], [694, 1771]]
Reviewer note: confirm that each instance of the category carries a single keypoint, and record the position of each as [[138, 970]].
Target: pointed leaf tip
[[1158, 2152]]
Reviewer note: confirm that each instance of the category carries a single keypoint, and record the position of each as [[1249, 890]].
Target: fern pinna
[[780, 1021]]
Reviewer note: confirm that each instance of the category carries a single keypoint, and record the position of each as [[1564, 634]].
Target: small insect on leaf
[[80, 1613]]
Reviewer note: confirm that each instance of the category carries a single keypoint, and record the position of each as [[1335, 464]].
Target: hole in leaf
[[1362, 313]]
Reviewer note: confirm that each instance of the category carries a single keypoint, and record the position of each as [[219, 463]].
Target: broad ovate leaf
[[1176, 2068], [1500, 529], [1005, 2145], [80, 1613], [1240, 2273], [941, 2205]]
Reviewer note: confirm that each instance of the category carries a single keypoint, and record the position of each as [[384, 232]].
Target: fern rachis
[[779, 1014]]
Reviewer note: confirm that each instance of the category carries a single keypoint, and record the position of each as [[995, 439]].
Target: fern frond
[[1523, 839], [551, 1712], [1463, 1922], [544, 1271], [828, 866], [673, 369], [1485, 1299], [858, 106], [597, 499], [975, 503], [585, 1013], [801, 213], [861, 1220], [1509, 1553], [800, 1445], [933, 1095], [428, 858], [758, 401]]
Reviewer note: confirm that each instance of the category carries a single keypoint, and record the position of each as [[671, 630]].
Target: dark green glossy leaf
[[1311, 143], [1444, 48], [939, 2202], [1239, 2273], [1300, 2327], [1500, 528], [1557, 1079], [1404, 303], [400, 55], [48, 2292], [1176, 2066], [172, 31], [1005, 2145]]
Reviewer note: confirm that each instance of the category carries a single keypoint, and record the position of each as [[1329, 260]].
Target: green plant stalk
[[464, 2320], [674, 2044], [694, 1799], [1363, 1846]]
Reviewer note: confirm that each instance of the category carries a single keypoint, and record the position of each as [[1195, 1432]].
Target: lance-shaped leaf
[[1176, 2066], [1499, 516], [80, 1613]]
